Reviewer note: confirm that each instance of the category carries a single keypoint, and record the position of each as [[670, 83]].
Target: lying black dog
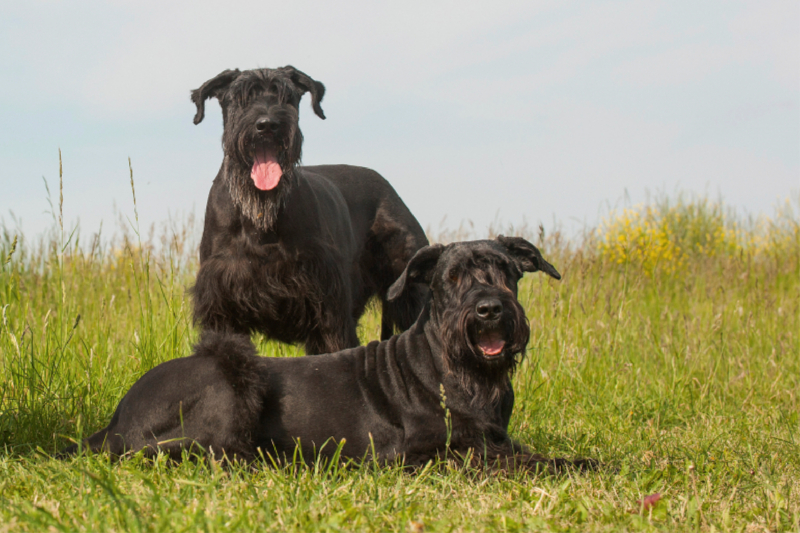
[[292, 251], [384, 397]]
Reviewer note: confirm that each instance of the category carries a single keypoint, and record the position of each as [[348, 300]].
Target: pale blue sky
[[521, 110]]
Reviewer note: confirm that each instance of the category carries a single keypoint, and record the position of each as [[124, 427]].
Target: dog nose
[[264, 124], [489, 309]]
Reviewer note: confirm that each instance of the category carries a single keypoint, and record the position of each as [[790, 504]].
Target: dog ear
[[420, 268], [305, 82], [527, 256], [212, 88]]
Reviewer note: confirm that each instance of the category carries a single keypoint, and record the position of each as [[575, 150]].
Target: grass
[[670, 351]]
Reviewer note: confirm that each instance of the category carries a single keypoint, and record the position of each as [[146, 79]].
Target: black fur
[[297, 262], [384, 397]]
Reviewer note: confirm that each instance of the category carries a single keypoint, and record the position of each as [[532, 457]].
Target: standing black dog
[[383, 398], [295, 252]]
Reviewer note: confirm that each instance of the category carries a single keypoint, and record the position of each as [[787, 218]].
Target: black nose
[[264, 124], [489, 309]]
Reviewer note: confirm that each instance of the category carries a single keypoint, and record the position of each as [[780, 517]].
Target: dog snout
[[489, 309], [265, 124]]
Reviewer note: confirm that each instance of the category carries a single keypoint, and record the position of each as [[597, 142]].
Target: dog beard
[[259, 207], [242, 150], [484, 379]]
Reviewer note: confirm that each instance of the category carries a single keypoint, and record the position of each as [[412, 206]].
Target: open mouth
[[491, 343], [266, 172]]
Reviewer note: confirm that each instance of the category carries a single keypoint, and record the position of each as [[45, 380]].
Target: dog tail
[[238, 360], [223, 344]]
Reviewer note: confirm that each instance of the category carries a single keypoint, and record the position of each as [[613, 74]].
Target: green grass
[[683, 381]]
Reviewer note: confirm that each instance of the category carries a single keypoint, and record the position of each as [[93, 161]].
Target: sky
[[519, 112]]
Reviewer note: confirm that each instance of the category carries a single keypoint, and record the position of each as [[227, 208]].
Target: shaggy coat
[[388, 398], [292, 251]]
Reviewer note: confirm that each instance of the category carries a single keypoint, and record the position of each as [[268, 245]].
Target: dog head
[[262, 139], [473, 286]]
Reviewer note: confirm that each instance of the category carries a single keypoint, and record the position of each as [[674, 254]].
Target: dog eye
[[453, 276]]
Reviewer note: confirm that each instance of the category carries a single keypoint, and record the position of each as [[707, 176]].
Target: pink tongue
[[491, 345], [266, 171]]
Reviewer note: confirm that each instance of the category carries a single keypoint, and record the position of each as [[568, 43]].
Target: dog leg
[[102, 441], [514, 457]]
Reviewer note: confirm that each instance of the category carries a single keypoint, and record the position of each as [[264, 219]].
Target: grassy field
[[670, 352]]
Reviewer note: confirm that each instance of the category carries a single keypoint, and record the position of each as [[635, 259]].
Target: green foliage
[[682, 381]]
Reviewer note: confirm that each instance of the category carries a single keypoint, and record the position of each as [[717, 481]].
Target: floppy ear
[[527, 256], [304, 82], [420, 268], [213, 87]]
